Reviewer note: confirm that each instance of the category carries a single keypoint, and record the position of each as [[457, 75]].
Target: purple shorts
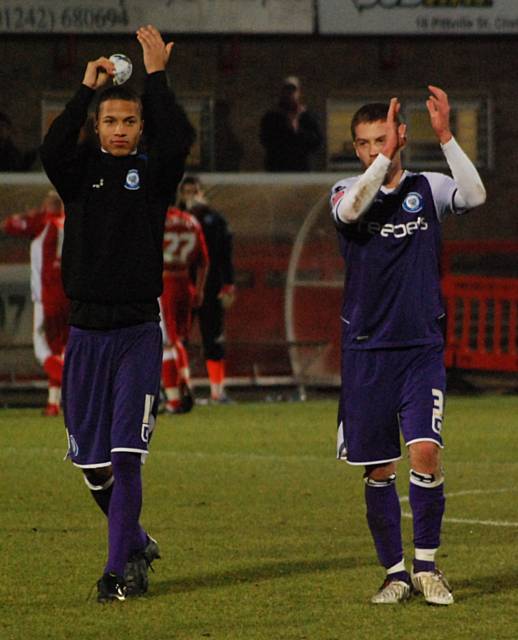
[[385, 391], [111, 385]]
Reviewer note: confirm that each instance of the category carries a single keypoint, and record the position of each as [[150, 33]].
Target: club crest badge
[[413, 203], [132, 180]]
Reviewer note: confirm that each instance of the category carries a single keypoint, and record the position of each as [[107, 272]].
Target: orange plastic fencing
[[482, 311]]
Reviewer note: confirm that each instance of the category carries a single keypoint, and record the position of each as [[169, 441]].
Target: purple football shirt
[[392, 288]]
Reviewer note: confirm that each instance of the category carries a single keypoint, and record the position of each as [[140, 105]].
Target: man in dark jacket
[[289, 134], [116, 199], [219, 287]]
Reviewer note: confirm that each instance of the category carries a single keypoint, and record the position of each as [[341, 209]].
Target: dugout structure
[[284, 327]]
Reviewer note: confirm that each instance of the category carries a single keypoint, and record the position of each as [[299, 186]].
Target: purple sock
[[140, 540], [423, 565], [126, 501], [427, 504], [400, 575], [102, 498], [384, 518]]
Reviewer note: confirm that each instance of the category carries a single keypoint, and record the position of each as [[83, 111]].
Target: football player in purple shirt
[[393, 376]]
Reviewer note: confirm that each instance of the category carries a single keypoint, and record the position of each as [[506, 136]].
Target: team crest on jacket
[[413, 203], [132, 180]]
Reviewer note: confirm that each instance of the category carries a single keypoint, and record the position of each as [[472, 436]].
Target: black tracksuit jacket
[[115, 209]]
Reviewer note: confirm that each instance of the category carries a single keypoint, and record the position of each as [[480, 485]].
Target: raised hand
[[155, 52], [439, 110], [98, 72], [396, 134]]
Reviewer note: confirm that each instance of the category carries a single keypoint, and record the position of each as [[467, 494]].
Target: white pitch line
[[487, 523], [467, 492], [291, 458]]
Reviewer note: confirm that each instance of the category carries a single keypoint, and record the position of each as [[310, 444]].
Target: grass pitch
[[262, 532]]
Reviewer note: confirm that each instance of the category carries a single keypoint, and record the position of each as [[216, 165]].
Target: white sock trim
[[426, 480], [427, 555], [216, 389], [99, 487], [54, 396], [396, 568], [172, 393], [378, 484]]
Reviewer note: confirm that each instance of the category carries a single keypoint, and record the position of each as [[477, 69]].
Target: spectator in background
[[289, 133], [51, 307], [219, 288], [11, 158]]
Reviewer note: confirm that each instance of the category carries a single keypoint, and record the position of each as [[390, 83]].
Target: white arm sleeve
[[470, 190], [358, 198]]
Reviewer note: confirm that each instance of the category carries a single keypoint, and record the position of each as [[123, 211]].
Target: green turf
[[262, 532]]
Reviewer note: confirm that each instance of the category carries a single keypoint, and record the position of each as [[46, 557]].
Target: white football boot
[[392, 592], [434, 586]]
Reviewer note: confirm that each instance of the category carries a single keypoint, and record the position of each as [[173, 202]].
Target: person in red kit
[[51, 307], [185, 254]]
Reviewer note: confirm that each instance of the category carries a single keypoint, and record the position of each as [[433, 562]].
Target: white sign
[[170, 16], [413, 17]]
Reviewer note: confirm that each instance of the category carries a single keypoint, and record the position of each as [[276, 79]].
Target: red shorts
[[176, 307], [55, 324]]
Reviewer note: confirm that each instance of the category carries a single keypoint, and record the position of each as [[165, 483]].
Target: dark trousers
[[210, 316]]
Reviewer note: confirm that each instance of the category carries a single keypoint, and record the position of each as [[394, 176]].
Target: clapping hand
[[156, 53], [439, 109]]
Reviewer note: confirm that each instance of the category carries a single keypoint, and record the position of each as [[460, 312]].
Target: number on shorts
[[147, 417], [438, 407]]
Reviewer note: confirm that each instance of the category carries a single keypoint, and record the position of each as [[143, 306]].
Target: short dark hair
[[117, 93], [191, 180], [371, 112]]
